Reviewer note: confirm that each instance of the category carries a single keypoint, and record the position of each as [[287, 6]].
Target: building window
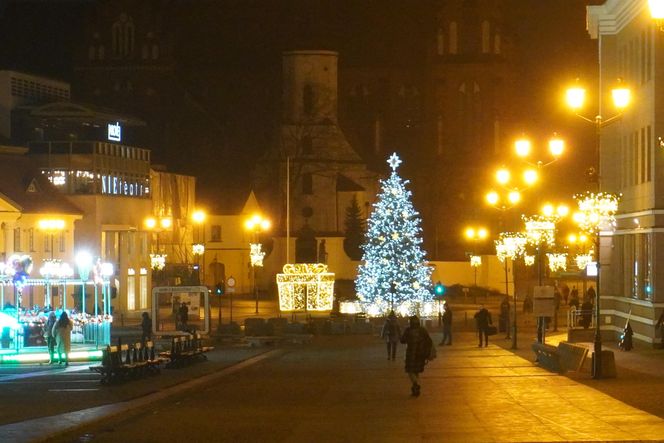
[[123, 36], [31, 240], [486, 37], [215, 233], [440, 42], [131, 289], [453, 38], [17, 240], [307, 184], [144, 288]]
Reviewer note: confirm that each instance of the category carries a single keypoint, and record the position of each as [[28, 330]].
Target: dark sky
[[40, 36]]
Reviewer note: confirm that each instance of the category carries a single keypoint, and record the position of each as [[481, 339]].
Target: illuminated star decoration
[[394, 161]]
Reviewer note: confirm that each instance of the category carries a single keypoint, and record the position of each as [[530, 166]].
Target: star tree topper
[[394, 161]]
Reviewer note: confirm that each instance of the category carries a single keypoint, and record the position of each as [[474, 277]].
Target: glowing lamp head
[[514, 197], [656, 9], [492, 198], [503, 176], [562, 210], [556, 146], [575, 97], [547, 210], [198, 216], [572, 239], [265, 224], [470, 233], [621, 96], [482, 233], [51, 224], [522, 147], [166, 222], [530, 177], [150, 222]]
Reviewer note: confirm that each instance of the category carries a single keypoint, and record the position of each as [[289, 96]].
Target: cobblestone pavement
[[343, 389]]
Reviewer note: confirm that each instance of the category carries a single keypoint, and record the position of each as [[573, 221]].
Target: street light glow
[[522, 147], [492, 198], [150, 222], [166, 222], [198, 216], [51, 224], [470, 233], [621, 96], [514, 197], [556, 146], [530, 176], [503, 176], [575, 97]]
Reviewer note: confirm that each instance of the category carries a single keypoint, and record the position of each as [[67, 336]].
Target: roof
[[73, 110], [26, 187]]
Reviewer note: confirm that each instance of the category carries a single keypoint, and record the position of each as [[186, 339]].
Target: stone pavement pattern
[[342, 389]]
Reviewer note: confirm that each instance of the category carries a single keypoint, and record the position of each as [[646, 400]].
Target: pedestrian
[[62, 333], [574, 298], [48, 335], [504, 318], [183, 313], [146, 327], [418, 349], [447, 324], [483, 320], [557, 299], [391, 333], [591, 294], [564, 289], [586, 314]]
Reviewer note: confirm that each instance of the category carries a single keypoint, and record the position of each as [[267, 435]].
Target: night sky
[[227, 64]]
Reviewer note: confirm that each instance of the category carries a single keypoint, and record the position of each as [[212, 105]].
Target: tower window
[[123, 36]]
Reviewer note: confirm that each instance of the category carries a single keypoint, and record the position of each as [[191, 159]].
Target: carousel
[[86, 299]]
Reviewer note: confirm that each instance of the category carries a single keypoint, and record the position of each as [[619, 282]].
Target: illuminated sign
[[115, 132], [113, 185]]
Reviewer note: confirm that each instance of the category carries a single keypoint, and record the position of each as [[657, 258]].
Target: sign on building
[[115, 132]]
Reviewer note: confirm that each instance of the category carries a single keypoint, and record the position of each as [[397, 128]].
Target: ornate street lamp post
[[256, 224], [475, 234], [509, 246]]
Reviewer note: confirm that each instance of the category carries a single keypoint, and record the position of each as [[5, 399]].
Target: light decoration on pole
[[394, 273], [557, 261], [510, 245], [256, 254], [475, 261], [528, 260], [305, 287], [596, 211], [198, 249], [157, 261], [540, 229], [582, 260]]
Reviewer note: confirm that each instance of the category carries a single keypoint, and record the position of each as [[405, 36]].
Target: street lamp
[[657, 12], [475, 234], [198, 248], [596, 214], [84, 266], [523, 148], [510, 245], [256, 224], [158, 225]]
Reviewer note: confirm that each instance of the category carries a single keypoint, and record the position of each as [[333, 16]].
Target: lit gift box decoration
[[305, 287]]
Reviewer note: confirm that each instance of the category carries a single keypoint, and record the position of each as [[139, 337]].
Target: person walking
[[483, 320], [574, 298], [146, 327], [183, 313], [586, 314], [418, 348], [391, 333], [62, 333], [48, 335], [447, 325]]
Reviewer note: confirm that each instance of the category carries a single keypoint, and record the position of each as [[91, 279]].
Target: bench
[[123, 361], [548, 357], [572, 356], [185, 349]]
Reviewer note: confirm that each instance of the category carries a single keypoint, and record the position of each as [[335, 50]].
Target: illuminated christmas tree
[[394, 273]]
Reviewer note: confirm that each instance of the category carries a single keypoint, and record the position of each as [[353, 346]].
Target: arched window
[[453, 38], [486, 37], [122, 34]]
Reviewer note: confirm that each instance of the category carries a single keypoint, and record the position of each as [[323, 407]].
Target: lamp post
[[576, 98], [597, 213], [523, 148], [198, 248], [84, 266], [256, 224], [657, 12], [475, 234], [510, 245]]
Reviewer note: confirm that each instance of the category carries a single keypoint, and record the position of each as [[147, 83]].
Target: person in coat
[[62, 333], [391, 333], [483, 320], [146, 327], [586, 314], [48, 335], [418, 348], [447, 325]]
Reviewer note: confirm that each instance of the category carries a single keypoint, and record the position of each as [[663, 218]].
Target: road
[[341, 388]]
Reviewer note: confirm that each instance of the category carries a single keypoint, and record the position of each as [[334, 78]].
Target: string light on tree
[[394, 273]]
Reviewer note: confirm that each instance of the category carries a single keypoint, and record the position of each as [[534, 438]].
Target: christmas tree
[[394, 273]]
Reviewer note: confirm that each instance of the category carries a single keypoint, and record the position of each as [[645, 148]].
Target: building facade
[[631, 163]]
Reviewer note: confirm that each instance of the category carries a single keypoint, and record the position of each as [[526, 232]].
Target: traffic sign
[[230, 282]]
